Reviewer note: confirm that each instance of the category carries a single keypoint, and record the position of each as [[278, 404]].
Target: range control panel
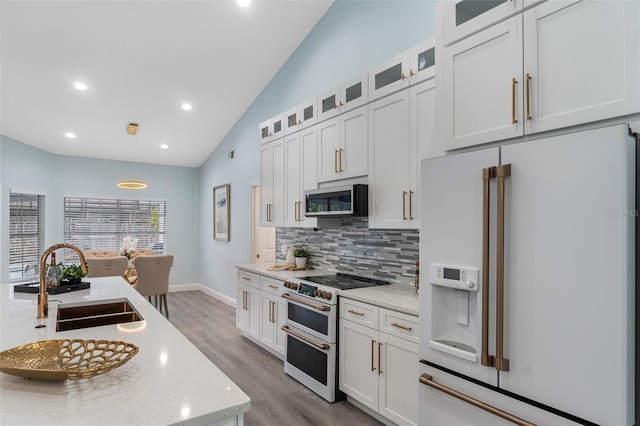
[[460, 278]]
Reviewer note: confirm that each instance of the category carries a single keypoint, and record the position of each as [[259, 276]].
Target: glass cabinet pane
[[329, 103], [265, 132], [292, 120], [469, 9], [426, 59], [388, 76], [353, 92], [277, 126], [307, 113]]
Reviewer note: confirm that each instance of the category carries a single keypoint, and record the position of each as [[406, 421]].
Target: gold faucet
[[43, 297]]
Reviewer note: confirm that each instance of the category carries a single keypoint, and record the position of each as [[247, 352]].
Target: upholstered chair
[[153, 278], [107, 266]]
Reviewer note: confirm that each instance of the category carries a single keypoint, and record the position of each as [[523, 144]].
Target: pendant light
[[132, 131]]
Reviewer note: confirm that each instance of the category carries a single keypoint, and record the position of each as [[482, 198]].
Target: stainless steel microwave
[[352, 200]]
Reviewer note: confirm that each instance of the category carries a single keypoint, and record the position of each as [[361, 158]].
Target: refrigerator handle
[[501, 363], [488, 173], [426, 379]]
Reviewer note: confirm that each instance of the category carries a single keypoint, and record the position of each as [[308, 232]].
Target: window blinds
[[26, 234]]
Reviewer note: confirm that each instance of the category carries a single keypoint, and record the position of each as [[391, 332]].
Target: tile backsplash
[[388, 254]]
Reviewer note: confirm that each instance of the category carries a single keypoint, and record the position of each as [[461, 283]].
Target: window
[[100, 224], [26, 234]]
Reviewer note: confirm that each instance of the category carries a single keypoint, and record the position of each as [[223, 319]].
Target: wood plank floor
[[276, 398]]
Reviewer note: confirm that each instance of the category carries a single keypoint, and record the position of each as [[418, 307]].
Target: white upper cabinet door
[[422, 62], [467, 17], [422, 109], [301, 116], [309, 173], [390, 76], [272, 129], [581, 62], [352, 158], [292, 179], [482, 86], [328, 150], [266, 184], [345, 97]]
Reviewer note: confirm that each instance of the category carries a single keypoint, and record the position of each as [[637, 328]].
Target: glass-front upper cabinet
[[345, 97], [422, 61], [390, 76], [466, 17], [301, 116], [271, 129]]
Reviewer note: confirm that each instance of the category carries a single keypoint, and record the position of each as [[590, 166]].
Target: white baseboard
[[206, 290]]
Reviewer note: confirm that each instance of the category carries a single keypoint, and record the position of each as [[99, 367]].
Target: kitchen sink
[[72, 316]]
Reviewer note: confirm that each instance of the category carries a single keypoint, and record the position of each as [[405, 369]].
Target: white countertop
[[399, 297], [168, 381]]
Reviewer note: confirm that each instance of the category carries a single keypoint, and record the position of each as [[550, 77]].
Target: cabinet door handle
[[300, 211], [340, 159], [341, 104], [527, 84], [514, 82], [404, 77], [379, 362], [360, 314], [426, 379], [411, 205], [404, 327], [275, 287], [373, 344], [404, 202], [335, 161], [244, 300], [501, 363], [411, 73], [487, 174]]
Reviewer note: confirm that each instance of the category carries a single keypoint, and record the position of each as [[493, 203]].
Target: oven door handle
[[323, 308], [323, 346]]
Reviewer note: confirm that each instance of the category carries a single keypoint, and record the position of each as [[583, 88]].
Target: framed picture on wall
[[221, 212]]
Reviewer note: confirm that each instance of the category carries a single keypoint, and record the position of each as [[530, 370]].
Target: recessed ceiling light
[[187, 107], [243, 3], [70, 135], [80, 85], [164, 146]]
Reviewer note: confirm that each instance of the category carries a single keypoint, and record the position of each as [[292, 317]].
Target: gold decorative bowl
[[65, 359]]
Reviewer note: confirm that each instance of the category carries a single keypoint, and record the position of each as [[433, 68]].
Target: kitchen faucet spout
[[43, 297]]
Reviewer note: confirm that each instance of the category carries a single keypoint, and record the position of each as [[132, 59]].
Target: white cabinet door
[[390, 158], [422, 61], [390, 76], [398, 392], [309, 173], [465, 17], [292, 178], [422, 132], [482, 86], [581, 62], [271, 129], [328, 150], [301, 116], [358, 369], [267, 323], [272, 183], [353, 157], [266, 184], [280, 317], [349, 95], [277, 210], [248, 311]]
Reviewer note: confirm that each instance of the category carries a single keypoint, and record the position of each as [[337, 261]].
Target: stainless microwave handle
[[323, 346]]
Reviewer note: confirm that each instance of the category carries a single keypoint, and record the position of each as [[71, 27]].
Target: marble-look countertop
[[169, 381], [399, 297]]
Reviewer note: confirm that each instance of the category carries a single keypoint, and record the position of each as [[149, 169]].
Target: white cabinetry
[[272, 183], [248, 304], [301, 150], [342, 146], [390, 76], [271, 129], [300, 116], [555, 65], [347, 96], [379, 359]]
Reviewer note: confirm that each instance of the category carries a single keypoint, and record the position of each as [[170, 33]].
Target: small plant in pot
[[72, 273], [301, 254]]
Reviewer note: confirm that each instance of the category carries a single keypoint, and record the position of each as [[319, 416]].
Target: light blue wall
[[352, 37], [25, 168]]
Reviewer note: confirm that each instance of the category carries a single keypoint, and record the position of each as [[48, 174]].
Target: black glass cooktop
[[344, 281]]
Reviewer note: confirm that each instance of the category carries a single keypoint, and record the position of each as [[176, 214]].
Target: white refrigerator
[[528, 287]]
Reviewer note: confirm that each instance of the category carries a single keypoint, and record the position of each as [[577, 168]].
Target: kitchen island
[[169, 381]]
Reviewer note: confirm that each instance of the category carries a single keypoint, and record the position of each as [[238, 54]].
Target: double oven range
[[311, 327]]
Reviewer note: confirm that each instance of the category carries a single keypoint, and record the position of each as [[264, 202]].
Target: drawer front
[[247, 278], [359, 312], [399, 324], [269, 285]]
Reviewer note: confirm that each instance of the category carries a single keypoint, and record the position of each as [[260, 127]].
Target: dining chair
[[153, 278], [107, 266]]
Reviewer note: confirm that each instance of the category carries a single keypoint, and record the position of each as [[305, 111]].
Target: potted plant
[[72, 273], [301, 254]]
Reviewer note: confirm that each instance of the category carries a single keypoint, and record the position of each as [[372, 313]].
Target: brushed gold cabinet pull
[[341, 104], [487, 174], [514, 82], [340, 159], [404, 77], [501, 363], [244, 300], [361, 314], [404, 327], [427, 379], [411, 73], [528, 83], [404, 210], [411, 205], [379, 362], [275, 287], [335, 161], [373, 344], [246, 278]]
